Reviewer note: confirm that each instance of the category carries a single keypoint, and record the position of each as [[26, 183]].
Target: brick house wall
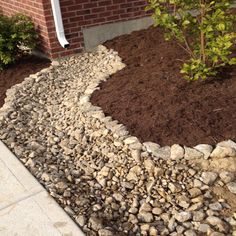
[[77, 15]]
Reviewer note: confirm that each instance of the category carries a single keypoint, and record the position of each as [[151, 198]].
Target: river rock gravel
[[107, 181]]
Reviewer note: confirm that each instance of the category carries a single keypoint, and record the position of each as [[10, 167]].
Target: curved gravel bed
[[106, 180]]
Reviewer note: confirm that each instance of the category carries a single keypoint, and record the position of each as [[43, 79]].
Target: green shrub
[[15, 32], [203, 28]]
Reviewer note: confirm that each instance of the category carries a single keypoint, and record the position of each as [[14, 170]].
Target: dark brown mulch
[[16, 73], [155, 103]]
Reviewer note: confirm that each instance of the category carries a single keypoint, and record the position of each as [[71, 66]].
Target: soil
[[16, 73], [151, 98]]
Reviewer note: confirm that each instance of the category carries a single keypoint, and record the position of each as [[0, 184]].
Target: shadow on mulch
[[155, 103], [15, 74]]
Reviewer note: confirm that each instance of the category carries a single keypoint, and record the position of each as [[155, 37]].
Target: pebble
[[226, 176], [176, 152], [215, 206], [145, 207], [146, 217], [232, 187], [131, 140], [191, 153], [152, 147], [209, 177], [222, 152], [118, 197], [227, 143], [194, 192], [213, 220], [190, 232], [205, 149], [198, 216], [175, 187], [105, 232], [157, 211], [153, 231], [204, 228], [163, 153], [183, 216], [95, 223], [149, 166], [81, 220]]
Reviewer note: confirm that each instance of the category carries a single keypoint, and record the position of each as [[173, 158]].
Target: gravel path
[[106, 180]]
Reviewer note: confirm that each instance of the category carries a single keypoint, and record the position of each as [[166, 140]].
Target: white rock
[[146, 217], [215, 206], [227, 143], [153, 231], [150, 184], [198, 215], [232, 187], [136, 154], [209, 177], [151, 147], [163, 153], [81, 220], [84, 99], [134, 173], [172, 224], [97, 207], [95, 223], [104, 171], [205, 149], [145, 207], [191, 153], [130, 140], [222, 152], [213, 220], [55, 63], [157, 211], [118, 197], [133, 210], [45, 177], [132, 176], [183, 216], [194, 192], [203, 228], [175, 187], [190, 232], [136, 146], [105, 232], [176, 152], [149, 166], [226, 176]]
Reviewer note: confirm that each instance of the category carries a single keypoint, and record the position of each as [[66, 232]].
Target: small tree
[[203, 28]]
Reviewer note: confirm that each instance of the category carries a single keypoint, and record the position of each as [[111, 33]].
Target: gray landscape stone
[[209, 177], [232, 187], [191, 153], [176, 152], [205, 149]]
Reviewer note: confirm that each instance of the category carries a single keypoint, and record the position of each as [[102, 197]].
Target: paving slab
[[26, 208]]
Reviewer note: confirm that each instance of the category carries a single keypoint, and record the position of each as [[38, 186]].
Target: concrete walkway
[[26, 209]]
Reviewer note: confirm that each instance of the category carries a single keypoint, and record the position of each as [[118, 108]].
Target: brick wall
[[76, 14]]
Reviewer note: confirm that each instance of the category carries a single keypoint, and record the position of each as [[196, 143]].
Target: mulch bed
[[155, 103], [16, 73]]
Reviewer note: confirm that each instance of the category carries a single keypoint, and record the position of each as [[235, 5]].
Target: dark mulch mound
[[155, 103], [16, 73]]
